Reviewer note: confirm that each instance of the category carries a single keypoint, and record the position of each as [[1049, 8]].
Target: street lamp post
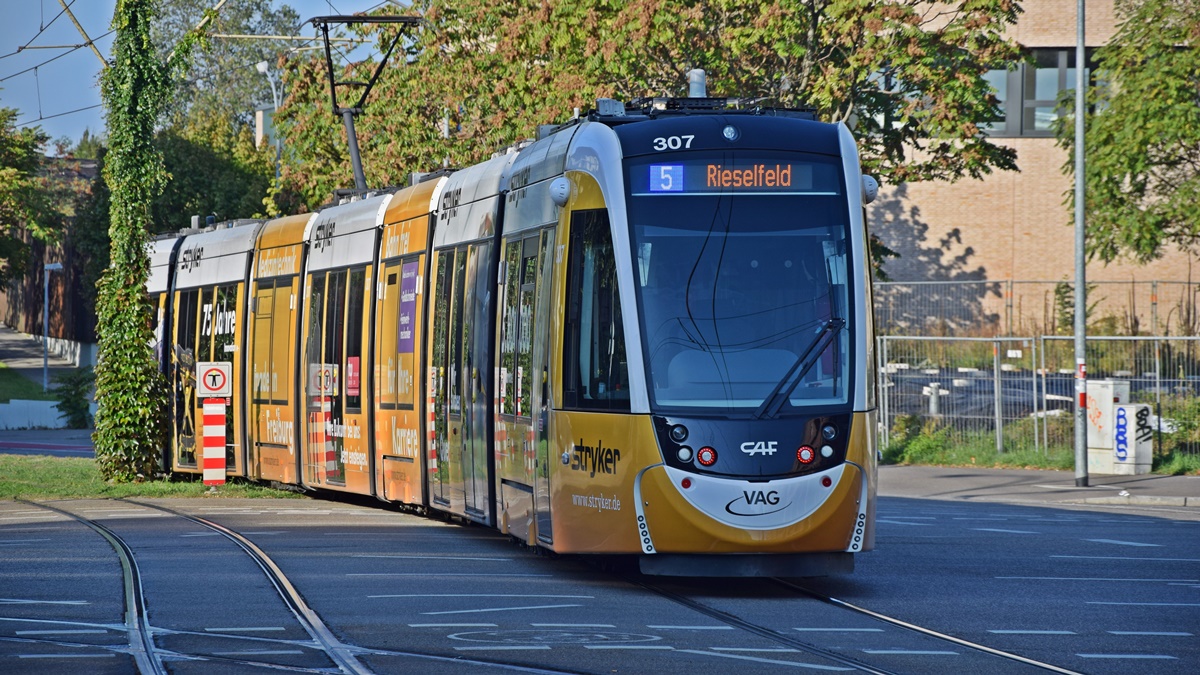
[[47, 269], [265, 69]]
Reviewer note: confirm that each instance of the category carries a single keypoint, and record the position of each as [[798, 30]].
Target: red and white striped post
[[214, 441]]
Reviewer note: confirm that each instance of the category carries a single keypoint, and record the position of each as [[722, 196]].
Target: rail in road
[[324, 586]]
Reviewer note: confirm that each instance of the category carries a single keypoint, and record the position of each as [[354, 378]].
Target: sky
[[62, 95]]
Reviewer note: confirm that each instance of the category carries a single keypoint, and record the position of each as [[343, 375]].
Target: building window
[[1029, 94]]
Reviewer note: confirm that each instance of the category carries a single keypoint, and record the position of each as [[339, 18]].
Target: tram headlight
[[679, 433], [806, 454], [707, 456], [829, 432], [684, 453]]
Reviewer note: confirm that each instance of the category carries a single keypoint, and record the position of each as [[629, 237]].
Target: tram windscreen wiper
[[774, 401]]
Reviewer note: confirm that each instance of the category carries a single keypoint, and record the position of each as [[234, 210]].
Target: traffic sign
[[215, 379]]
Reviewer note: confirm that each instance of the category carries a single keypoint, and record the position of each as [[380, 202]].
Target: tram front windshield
[[740, 263]]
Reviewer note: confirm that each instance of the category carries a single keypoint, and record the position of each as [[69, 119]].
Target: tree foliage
[[27, 205], [129, 389], [1142, 133], [909, 73]]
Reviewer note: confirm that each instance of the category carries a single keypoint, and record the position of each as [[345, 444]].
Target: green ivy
[[130, 391]]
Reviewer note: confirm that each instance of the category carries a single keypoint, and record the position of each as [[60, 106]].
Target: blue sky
[[70, 82]]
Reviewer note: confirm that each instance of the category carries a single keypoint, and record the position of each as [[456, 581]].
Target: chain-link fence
[[1007, 307], [1018, 393]]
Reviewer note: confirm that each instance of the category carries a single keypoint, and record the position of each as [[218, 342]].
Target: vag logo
[[755, 503], [753, 448], [323, 237]]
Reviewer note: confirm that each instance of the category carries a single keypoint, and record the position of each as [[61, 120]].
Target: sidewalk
[[1029, 486], [23, 354]]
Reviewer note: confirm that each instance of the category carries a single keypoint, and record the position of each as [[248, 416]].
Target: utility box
[[1133, 440], [1103, 396]]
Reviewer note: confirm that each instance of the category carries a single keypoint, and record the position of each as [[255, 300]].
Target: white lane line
[[1164, 633], [14, 542], [1002, 632], [1148, 604], [61, 632], [1158, 581], [756, 650], [900, 522], [451, 625], [1127, 656], [497, 609], [691, 627], [483, 595], [910, 652], [507, 648], [260, 652], [1123, 543], [64, 656], [18, 601], [660, 647], [1131, 558], [201, 534], [427, 557], [572, 625], [890, 515], [996, 529], [441, 574], [755, 659], [246, 629], [839, 630]]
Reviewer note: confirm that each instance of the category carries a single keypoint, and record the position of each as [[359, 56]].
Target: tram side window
[[386, 349], [334, 327], [352, 380], [594, 364], [223, 320], [509, 329], [312, 350]]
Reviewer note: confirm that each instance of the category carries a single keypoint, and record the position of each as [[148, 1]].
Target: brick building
[[1015, 226]]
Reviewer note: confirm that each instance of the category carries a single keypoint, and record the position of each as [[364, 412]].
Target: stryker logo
[[753, 448], [323, 237], [190, 258], [743, 505], [593, 459]]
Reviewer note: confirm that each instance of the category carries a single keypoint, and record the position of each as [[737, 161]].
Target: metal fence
[[1008, 307], [1018, 393]]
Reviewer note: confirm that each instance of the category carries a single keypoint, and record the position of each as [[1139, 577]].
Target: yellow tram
[[646, 333]]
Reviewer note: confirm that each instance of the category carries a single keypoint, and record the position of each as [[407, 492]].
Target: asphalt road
[[1085, 589]]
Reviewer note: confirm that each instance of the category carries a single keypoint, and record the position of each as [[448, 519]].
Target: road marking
[[1123, 543], [442, 575], [691, 627], [754, 649], [246, 629], [1032, 632], [660, 647], [1181, 581], [910, 652], [900, 522], [1126, 656], [1111, 557], [996, 529], [497, 609], [260, 652], [14, 542], [483, 595], [1148, 604], [451, 625], [1151, 632], [61, 632], [794, 664], [509, 648], [573, 625], [64, 656], [201, 534], [839, 630], [428, 557], [17, 601]]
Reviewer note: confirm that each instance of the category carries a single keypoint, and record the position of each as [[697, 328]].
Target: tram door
[[440, 376], [539, 383]]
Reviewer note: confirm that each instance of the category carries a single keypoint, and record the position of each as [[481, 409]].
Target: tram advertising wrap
[[647, 334]]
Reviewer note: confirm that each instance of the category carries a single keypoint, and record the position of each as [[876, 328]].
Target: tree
[[909, 73], [1142, 133], [129, 389], [26, 204]]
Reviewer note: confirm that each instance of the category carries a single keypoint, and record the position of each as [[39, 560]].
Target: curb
[[1145, 501]]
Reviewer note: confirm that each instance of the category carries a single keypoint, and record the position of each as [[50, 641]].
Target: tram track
[[858, 664], [151, 659]]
